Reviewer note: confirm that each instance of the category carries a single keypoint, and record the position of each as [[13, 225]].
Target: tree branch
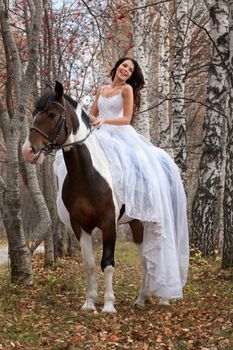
[[214, 44], [9, 44], [186, 99]]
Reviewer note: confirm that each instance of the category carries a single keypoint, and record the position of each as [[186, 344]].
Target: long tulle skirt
[[148, 182]]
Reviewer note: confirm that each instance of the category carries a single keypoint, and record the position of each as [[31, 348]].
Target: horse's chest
[[86, 193], [88, 188]]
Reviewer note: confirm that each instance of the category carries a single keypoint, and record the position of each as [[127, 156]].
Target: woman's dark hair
[[136, 80]]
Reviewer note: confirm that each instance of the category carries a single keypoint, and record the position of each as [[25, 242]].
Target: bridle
[[52, 144]]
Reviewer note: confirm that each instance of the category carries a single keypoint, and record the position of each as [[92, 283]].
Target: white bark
[[163, 80], [208, 4], [178, 92], [143, 22], [18, 250], [227, 257], [205, 212]]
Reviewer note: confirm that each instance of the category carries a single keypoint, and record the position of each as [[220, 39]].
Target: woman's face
[[125, 70]]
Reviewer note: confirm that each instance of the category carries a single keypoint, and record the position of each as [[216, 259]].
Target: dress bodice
[[110, 107]]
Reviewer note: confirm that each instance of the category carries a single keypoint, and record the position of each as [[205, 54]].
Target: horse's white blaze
[[142, 295], [89, 265], [109, 297]]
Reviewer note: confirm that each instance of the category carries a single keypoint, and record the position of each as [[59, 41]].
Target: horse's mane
[[85, 119], [71, 101], [49, 97]]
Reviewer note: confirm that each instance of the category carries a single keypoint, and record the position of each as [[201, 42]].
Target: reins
[[79, 142]]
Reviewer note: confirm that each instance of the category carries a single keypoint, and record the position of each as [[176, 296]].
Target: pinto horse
[[87, 192]]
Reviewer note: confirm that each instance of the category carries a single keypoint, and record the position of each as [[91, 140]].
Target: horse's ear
[[58, 90], [48, 87]]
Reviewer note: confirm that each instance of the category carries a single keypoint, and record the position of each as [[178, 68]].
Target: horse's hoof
[[138, 306], [148, 300], [139, 303], [89, 305], [164, 302], [109, 308]]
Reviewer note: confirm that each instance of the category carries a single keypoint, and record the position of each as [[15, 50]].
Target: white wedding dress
[[148, 182]]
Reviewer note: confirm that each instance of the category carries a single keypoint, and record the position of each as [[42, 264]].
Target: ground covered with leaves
[[48, 315]]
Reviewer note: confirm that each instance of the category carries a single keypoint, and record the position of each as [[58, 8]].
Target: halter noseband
[[52, 139]]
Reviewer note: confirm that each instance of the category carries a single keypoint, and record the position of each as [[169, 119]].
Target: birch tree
[[164, 79], [143, 21], [178, 89], [13, 123], [207, 201], [227, 255]]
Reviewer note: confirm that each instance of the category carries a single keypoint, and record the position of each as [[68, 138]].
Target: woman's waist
[[110, 116]]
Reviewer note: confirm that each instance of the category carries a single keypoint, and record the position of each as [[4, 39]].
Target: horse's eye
[[51, 114]]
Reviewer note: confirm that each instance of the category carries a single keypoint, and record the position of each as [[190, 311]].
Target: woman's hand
[[98, 122], [92, 119]]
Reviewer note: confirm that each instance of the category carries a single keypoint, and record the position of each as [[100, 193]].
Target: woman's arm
[[94, 110], [127, 93]]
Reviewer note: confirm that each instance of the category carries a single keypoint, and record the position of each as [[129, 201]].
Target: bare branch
[[191, 100], [97, 23], [214, 44], [9, 44]]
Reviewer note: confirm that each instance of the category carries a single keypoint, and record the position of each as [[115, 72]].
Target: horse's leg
[[137, 231], [142, 294], [164, 302], [107, 265], [89, 265]]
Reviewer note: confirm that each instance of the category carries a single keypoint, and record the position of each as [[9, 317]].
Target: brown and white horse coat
[[87, 192]]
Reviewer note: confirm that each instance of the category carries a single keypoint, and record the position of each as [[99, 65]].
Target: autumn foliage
[[48, 315]]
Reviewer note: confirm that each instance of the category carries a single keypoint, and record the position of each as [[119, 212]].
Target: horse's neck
[[86, 157], [83, 129], [81, 156]]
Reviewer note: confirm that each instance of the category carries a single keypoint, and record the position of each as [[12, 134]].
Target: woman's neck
[[117, 83]]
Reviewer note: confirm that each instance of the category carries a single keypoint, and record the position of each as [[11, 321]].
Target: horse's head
[[54, 119]]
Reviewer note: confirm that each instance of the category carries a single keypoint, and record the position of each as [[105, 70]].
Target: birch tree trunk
[[49, 191], [20, 256], [207, 201], [142, 22], [178, 90], [227, 254], [163, 80]]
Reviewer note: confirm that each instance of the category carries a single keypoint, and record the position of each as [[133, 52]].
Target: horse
[[87, 192]]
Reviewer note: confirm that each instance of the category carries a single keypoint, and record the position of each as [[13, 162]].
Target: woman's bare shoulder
[[127, 89]]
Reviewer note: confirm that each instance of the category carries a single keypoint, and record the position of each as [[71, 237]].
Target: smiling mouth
[[124, 73]]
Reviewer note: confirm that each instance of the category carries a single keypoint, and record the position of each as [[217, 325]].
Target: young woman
[[146, 180]]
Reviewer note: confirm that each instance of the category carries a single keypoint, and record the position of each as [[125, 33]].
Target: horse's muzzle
[[30, 156]]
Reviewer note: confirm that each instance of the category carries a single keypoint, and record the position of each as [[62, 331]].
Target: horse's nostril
[[33, 149]]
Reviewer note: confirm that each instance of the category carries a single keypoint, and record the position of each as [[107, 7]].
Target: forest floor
[[48, 316], [4, 258]]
